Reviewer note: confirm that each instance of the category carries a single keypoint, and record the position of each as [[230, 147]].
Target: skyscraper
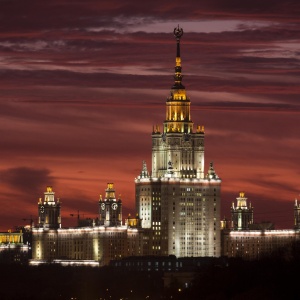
[[178, 204]]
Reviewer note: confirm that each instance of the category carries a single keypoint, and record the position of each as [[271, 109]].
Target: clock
[[102, 206], [42, 209], [114, 206]]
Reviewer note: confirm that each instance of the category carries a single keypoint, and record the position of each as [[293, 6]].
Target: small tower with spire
[[211, 174], [144, 172], [49, 210], [110, 208], [241, 214]]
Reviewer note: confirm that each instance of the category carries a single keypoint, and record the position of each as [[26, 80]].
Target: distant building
[[12, 247], [49, 210], [100, 241], [241, 237]]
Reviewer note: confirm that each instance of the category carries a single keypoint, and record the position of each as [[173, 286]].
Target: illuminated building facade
[[102, 240], [110, 209], [241, 214], [49, 210], [241, 237], [179, 205], [12, 247]]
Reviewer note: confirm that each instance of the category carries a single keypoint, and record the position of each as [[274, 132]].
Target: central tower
[[178, 104], [177, 151], [179, 205]]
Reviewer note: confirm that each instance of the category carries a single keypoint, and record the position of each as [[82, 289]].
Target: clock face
[[114, 206], [102, 206], [42, 209]]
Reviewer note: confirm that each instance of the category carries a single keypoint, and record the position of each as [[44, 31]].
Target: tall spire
[[178, 32], [178, 104]]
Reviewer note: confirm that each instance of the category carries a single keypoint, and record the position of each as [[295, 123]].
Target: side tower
[[296, 215], [49, 210], [241, 214], [110, 209], [179, 205]]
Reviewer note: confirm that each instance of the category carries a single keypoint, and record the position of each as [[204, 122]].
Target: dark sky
[[83, 82]]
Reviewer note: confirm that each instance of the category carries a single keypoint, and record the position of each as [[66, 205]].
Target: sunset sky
[[83, 82]]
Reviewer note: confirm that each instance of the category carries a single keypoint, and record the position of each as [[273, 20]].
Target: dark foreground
[[271, 278]]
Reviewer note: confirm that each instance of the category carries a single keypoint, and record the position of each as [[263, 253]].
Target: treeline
[[266, 279], [55, 282], [273, 277]]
